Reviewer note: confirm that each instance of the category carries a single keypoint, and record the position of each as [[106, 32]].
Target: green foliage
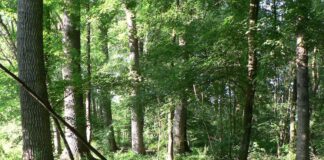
[[197, 48], [10, 140]]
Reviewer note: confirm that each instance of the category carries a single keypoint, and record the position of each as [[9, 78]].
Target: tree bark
[[35, 120], [74, 110], [250, 91], [170, 154], [180, 126], [137, 110], [303, 112]]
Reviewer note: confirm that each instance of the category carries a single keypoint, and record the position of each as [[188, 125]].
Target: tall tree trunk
[[303, 113], [180, 112], [89, 87], [170, 154], [74, 110], [250, 91], [106, 105], [35, 120], [180, 126], [137, 110]]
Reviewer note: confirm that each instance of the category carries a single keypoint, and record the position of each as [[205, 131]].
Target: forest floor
[[11, 149]]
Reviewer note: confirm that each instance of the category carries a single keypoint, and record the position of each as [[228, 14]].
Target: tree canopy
[[174, 79]]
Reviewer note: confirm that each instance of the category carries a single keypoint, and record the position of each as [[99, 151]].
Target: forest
[[161, 79]]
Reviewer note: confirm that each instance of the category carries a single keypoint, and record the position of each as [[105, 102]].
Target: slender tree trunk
[[57, 140], [94, 108], [61, 135], [141, 47], [303, 113], [281, 136], [250, 91], [278, 114], [106, 105], [292, 121], [170, 155], [89, 86], [159, 129], [315, 75], [35, 120], [221, 123], [137, 110], [74, 110], [233, 121]]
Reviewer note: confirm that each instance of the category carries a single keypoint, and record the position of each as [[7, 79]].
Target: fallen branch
[[50, 110]]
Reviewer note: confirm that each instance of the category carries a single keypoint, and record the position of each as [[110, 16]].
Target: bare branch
[[10, 42]]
